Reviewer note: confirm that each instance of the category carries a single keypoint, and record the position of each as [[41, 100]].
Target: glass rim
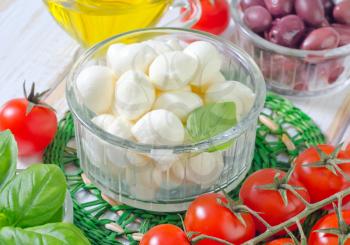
[[216, 140], [263, 43]]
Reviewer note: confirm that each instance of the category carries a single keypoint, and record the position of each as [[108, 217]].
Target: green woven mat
[[283, 131]]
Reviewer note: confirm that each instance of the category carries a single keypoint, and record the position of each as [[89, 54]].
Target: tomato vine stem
[[306, 212]]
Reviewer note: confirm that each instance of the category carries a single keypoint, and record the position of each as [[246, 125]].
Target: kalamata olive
[[249, 3], [279, 67], [257, 18], [325, 23], [311, 11], [335, 74], [344, 32], [321, 38], [341, 12], [330, 70], [328, 6], [287, 31], [279, 8]]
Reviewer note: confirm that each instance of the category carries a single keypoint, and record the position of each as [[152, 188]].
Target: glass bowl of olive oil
[[91, 21]]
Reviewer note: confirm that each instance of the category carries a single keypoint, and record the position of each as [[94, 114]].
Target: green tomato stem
[[306, 212]]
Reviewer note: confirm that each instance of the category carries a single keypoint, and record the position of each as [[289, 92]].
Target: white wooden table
[[34, 48]]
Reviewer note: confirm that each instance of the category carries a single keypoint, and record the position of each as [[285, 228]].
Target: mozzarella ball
[[171, 178], [93, 148], [124, 158], [113, 52], [137, 56], [158, 46], [181, 103], [136, 159], [103, 120], [233, 91], [202, 88], [164, 161], [172, 70], [205, 168], [95, 85], [209, 60], [159, 127], [177, 44], [134, 95], [120, 127], [140, 181]]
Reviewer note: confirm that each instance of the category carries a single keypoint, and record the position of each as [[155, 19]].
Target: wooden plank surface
[[34, 48]]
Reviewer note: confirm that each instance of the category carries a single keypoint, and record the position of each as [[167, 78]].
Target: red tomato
[[206, 216], [320, 181], [326, 222], [348, 148], [269, 203], [215, 16], [33, 132], [165, 234], [281, 241]]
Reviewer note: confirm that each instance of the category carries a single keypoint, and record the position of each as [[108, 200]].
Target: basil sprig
[[30, 200], [8, 156], [210, 120]]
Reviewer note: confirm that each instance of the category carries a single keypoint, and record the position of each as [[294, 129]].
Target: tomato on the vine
[[208, 216], [215, 16], [330, 221], [165, 234], [320, 171], [32, 123], [281, 241], [265, 192]]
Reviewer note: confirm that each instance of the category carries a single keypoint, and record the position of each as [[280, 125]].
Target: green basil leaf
[[210, 120], [4, 221], [34, 195], [8, 157], [50, 234], [57, 217]]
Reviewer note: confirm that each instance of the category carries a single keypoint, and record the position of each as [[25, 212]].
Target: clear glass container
[[162, 178], [68, 209], [290, 71]]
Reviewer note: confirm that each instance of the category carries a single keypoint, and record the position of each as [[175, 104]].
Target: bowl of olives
[[301, 46]]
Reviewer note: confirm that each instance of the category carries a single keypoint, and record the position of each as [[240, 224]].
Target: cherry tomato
[[165, 234], [348, 148], [207, 216], [269, 203], [215, 16], [326, 222], [33, 131], [281, 241], [320, 181]]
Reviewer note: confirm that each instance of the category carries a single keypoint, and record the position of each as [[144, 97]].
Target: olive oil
[[91, 21]]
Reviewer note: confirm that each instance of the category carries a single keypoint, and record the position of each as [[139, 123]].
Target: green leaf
[[4, 221], [34, 195], [57, 217], [8, 157], [210, 120], [50, 234]]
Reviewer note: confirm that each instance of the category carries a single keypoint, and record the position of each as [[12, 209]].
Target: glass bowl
[[67, 211], [129, 171], [290, 71]]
